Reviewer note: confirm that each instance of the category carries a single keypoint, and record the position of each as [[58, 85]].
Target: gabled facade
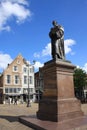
[[16, 79]]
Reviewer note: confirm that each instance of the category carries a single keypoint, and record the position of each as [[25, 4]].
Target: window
[[14, 90], [15, 68], [32, 70], [6, 90], [31, 90], [25, 79], [25, 90], [8, 79], [30, 79], [10, 90], [25, 70], [16, 79], [18, 90]]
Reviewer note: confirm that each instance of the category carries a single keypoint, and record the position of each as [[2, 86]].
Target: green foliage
[[80, 81], [79, 78]]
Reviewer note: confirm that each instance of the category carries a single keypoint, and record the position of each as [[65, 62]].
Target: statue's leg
[[53, 50], [58, 49]]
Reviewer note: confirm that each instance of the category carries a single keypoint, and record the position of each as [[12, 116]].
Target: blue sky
[[25, 26]]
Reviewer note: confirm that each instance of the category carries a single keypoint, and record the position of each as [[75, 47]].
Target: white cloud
[[36, 55], [85, 67], [37, 65], [17, 1], [68, 43], [47, 50], [13, 8], [24, 2], [4, 60]]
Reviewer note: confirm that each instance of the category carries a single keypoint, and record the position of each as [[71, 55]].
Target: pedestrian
[[15, 101], [9, 100]]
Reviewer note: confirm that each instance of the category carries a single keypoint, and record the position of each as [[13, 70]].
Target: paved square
[[9, 116]]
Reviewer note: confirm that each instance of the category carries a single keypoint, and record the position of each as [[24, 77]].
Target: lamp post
[[28, 102]]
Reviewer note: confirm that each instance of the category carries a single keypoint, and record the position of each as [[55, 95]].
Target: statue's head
[[54, 23]]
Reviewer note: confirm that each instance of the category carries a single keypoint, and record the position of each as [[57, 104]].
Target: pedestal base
[[58, 102], [59, 110]]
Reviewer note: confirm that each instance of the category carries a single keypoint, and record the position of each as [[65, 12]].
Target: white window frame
[[30, 79], [16, 79], [8, 79], [25, 79]]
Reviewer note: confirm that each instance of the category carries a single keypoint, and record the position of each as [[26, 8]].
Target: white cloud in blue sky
[[68, 46], [37, 65], [85, 67], [47, 50], [4, 60], [13, 8]]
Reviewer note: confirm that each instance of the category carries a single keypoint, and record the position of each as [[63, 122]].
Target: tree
[[80, 80]]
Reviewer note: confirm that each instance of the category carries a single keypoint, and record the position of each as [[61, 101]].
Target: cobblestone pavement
[[9, 116]]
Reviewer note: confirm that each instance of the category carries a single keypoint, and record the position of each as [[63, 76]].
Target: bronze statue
[[57, 41]]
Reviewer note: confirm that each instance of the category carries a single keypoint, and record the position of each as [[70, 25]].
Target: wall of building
[[12, 81]]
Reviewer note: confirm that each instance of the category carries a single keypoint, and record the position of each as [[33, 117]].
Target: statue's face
[[54, 23]]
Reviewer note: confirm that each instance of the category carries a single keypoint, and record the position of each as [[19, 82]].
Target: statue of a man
[[57, 41]]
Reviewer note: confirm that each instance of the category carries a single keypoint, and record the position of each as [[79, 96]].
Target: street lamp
[[28, 102]]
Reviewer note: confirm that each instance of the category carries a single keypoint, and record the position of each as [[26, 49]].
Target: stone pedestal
[[58, 102]]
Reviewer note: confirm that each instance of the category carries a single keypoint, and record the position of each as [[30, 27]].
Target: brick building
[[39, 84]]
